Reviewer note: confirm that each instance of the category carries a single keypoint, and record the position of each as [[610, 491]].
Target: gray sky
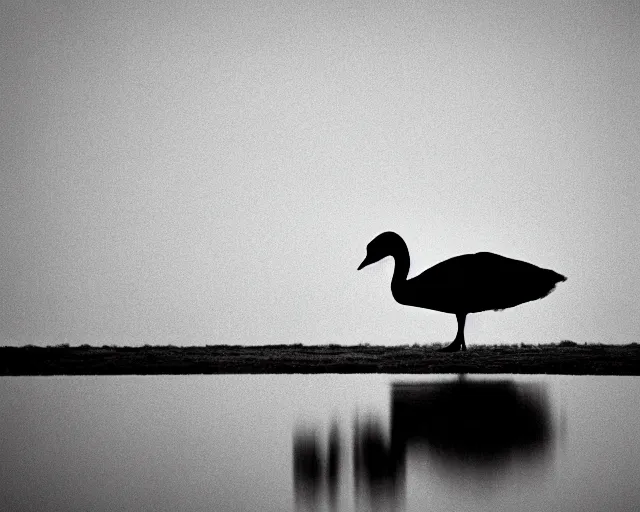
[[211, 172]]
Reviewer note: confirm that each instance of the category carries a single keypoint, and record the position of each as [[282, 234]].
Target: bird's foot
[[455, 346]]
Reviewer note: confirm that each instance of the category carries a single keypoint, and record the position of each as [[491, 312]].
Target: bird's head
[[380, 247]]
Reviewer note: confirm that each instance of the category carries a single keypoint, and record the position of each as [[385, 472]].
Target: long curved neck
[[400, 254]]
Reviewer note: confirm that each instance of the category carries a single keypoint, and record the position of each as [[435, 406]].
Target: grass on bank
[[565, 357]]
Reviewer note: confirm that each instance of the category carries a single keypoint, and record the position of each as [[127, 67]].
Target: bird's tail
[[560, 278], [553, 279]]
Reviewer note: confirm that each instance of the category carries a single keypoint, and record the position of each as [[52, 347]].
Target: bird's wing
[[453, 272], [482, 281], [480, 271]]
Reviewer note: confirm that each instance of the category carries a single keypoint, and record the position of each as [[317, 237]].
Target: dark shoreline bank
[[566, 359]]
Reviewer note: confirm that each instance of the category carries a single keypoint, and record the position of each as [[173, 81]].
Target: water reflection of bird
[[465, 430], [464, 284], [307, 468], [471, 424], [468, 431], [316, 471]]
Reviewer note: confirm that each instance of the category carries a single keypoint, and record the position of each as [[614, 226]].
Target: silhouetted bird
[[464, 284]]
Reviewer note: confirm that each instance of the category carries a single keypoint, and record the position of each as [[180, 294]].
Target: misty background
[[211, 172]]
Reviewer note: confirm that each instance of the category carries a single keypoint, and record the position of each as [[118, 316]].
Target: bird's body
[[464, 284], [477, 282]]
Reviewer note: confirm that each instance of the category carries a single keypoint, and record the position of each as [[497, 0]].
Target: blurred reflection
[[333, 466], [376, 479], [307, 469], [463, 430], [471, 428], [313, 472]]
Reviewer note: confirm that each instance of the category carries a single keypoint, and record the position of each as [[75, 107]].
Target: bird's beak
[[365, 262]]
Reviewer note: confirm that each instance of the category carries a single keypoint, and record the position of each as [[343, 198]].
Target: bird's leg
[[458, 343], [461, 318]]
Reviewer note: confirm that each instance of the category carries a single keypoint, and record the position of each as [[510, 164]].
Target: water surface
[[319, 442]]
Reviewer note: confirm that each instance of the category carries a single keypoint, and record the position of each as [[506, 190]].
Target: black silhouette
[[307, 469], [316, 471], [333, 466], [471, 428], [375, 473], [464, 284], [468, 430]]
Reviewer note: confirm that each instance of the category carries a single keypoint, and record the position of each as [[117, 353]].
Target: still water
[[320, 442]]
